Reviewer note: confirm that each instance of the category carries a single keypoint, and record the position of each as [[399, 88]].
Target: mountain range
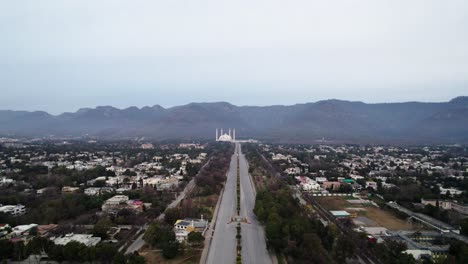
[[334, 120]]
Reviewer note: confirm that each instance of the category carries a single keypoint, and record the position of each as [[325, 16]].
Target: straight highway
[[222, 248], [223, 244], [253, 235]]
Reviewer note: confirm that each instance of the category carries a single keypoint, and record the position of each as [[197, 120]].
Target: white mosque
[[226, 137]]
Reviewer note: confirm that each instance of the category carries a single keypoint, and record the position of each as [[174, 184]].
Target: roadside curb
[[206, 250]]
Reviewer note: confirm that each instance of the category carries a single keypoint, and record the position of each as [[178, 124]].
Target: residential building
[[23, 229], [447, 205], [69, 189], [333, 185], [120, 202], [307, 184], [14, 210], [87, 240], [184, 227]]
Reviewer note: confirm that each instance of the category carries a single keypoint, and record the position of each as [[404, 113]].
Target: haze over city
[[59, 56], [234, 132]]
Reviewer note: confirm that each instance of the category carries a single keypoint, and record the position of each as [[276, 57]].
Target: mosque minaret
[[226, 137]]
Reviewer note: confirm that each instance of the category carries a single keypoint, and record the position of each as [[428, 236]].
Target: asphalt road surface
[[223, 245], [253, 235], [138, 243]]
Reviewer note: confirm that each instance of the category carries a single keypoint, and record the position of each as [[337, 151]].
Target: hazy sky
[[62, 55]]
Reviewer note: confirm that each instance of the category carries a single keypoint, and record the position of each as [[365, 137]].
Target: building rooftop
[[340, 213], [87, 240]]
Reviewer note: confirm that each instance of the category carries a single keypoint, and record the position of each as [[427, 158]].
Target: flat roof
[[340, 213]]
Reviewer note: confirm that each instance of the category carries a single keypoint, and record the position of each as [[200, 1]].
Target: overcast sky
[[63, 55]]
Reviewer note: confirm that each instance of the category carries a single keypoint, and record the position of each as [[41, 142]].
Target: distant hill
[[334, 120]]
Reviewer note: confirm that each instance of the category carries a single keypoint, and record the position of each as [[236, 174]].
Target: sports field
[[368, 215]]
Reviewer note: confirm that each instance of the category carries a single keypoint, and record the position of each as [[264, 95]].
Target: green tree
[[135, 259], [105, 252], [170, 250], [6, 249], [195, 237], [464, 227], [74, 251], [151, 234], [343, 249], [101, 228], [273, 232], [171, 215]]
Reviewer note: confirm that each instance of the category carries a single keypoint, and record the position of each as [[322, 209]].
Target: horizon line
[[236, 105]]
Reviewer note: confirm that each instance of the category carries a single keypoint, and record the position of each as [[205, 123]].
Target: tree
[[99, 183], [135, 259], [105, 252], [346, 188], [195, 237], [273, 232], [38, 245], [101, 228], [129, 173], [459, 251], [6, 249], [74, 251], [464, 227], [343, 249], [162, 237], [151, 234], [448, 195], [171, 215], [312, 249], [170, 249]]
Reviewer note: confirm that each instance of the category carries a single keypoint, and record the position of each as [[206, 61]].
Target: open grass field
[[377, 215]]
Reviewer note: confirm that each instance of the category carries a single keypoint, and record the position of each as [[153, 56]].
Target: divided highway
[[222, 248], [253, 235]]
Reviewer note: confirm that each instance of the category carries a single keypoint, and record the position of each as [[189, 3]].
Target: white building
[[184, 227], [87, 240], [226, 137], [22, 229], [292, 171], [14, 210], [371, 184], [147, 146], [279, 156], [4, 181], [307, 184], [92, 191], [452, 191], [320, 179], [114, 202]]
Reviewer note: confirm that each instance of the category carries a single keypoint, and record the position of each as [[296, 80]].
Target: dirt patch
[[155, 257], [376, 215], [332, 203], [387, 219], [364, 221]]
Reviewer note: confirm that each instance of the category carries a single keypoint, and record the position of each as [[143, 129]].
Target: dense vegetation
[[289, 230], [211, 178], [73, 252], [162, 237]]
